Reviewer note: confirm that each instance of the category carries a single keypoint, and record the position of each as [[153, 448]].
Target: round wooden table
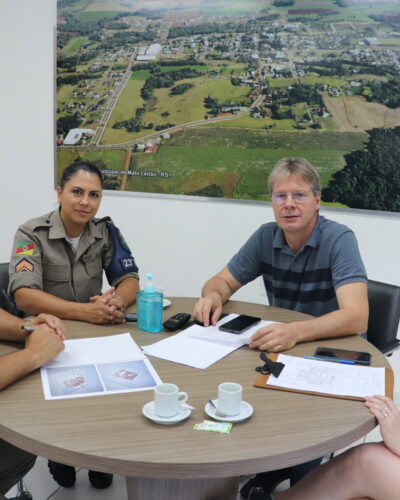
[[110, 434]]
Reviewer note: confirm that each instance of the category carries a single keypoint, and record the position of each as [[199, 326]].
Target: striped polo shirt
[[306, 280]]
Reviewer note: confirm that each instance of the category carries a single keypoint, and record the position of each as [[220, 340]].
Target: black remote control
[[176, 321]]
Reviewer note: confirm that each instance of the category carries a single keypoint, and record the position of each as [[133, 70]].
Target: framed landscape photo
[[201, 97]]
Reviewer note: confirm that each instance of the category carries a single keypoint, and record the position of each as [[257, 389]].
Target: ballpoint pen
[[28, 329], [334, 360]]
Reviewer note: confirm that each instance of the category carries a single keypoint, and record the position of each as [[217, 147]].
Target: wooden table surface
[[110, 434]]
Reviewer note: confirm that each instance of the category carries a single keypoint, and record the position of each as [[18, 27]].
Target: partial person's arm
[[388, 417], [366, 471], [215, 293], [11, 326], [41, 347], [351, 318]]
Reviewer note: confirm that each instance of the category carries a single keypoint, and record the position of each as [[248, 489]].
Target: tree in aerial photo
[[370, 178]]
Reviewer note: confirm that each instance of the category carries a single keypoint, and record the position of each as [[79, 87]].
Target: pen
[[28, 329], [334, 360]]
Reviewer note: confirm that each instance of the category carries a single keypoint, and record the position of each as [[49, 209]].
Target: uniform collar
[[57, 231], [313, 240]]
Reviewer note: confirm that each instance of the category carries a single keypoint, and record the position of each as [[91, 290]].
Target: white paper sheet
[[212, 333], [98, 366], [200, 347], [329, 378]]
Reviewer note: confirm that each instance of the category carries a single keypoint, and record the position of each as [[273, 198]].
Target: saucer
[[166, 303], [148, 411], [246, 411]]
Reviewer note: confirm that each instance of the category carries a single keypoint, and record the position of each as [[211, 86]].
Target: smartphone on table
[[329, 353], [240, 324]]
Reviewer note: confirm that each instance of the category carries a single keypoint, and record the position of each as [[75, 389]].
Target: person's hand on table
[[111, 298], [105, 298], [275, 338], [388, 417], [43, 344], [208, 309], [51, 321], [98, 312], [114, 307], [116, 301]]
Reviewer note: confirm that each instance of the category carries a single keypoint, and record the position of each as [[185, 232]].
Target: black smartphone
[[239, 324], [131, 317], [358, 357]]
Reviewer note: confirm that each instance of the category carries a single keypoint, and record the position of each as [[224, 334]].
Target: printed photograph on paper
[[74, 380], [126, 375]]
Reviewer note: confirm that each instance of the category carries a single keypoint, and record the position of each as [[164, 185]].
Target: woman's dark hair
[[76, 167]]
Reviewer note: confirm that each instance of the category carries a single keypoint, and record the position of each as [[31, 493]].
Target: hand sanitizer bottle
[[150, 306]]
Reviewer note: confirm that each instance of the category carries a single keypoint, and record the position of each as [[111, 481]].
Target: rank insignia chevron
[[24, 265]]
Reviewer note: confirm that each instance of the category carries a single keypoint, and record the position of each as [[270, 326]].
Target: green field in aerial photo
[[202, 98]]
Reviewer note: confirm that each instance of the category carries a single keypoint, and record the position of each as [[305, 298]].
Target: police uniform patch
[[25, 248], [24, 265], [122, 261], [123, 242]]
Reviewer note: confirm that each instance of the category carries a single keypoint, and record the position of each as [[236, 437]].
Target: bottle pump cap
[[149, 288]]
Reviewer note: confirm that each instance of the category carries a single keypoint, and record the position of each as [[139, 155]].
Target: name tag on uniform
[[128, 264]]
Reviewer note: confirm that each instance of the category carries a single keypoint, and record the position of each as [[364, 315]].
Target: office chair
[[6, 302], [22, 493], [384, 316], [3, 275]]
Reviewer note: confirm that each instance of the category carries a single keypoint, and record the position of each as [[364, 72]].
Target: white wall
[[183, 241]]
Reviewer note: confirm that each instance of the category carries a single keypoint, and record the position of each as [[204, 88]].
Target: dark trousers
[[269, 480], [14, 464], [294, 473]]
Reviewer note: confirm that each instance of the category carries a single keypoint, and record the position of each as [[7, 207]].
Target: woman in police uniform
[[57, 267], [58, 259]]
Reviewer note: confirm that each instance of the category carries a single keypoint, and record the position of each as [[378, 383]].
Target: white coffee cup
[[229, 398], [167, 400]]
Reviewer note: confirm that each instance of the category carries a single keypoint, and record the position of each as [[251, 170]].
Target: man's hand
[[43, 344], [215, 292], [275, 338], [208, 309], [51, 321]]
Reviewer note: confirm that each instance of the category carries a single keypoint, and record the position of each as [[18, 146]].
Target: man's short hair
[[298, 166]]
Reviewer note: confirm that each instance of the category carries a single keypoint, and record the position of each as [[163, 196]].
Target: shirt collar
[[57, 231], [279, 240]]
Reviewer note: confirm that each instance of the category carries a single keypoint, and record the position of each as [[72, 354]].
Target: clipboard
[[262, 381]]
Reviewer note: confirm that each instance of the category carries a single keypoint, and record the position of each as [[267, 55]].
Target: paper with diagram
[[326, 378]]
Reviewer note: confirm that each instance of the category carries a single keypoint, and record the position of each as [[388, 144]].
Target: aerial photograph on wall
[[202, 97]]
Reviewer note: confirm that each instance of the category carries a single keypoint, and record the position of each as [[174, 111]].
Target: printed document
[[98, 366], [329, 378], [212, 333], [200, 346]]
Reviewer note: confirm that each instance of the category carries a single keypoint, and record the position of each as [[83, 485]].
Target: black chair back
[[4, 278], [384, 316], [6, 302]]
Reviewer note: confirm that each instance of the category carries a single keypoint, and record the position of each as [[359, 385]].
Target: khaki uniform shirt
[[42, 258]]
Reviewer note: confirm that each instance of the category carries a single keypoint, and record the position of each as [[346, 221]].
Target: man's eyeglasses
[[297, 196]]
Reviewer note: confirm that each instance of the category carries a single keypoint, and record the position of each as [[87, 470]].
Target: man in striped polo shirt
[[309, 264]]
